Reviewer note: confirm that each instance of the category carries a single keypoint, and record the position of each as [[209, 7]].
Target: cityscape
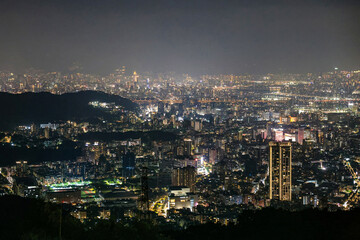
[[138, 154]]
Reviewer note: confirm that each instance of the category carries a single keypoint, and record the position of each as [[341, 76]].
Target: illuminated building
[[148, 83], [279, 135], [293, 119], [47, 133], [22, 168], [33, 128], [240, 135], [197, 125], [65, 196], [289, 137], [136, 78], [320, 137], [300, 136], [184, 177], [212, 156], [26, 187], [119, 74], [182, 197], [200, 167], [188, 146], [280, 170], [105, 214], [81, 215], [262, 133]]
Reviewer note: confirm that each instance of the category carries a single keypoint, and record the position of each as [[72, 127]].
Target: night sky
[[185, 36]]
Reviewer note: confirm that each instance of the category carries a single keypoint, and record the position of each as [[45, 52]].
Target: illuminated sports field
[[69, 185]]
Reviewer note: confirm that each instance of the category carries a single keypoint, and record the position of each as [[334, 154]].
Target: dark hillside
[[27, 108]]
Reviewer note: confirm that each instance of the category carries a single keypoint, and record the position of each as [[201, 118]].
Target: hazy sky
[[193, 36]]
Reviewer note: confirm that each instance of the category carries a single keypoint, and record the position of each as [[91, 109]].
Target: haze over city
[[195, 37]]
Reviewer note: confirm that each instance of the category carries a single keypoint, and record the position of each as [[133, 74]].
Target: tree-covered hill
[[44, 107]]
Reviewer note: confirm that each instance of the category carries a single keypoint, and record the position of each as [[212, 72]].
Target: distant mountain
[[44, 107]]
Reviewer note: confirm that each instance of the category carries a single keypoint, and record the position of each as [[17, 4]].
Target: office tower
[[197, 125], [188, 146], [21, 168], [33, 128], [240, 135], [135, 77], [301, 135], [320, 137], [128, 164], [47, 132], [280, 170], [184, 177], [97, 153], [212, 156]]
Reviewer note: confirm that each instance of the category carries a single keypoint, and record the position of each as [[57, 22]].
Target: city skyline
[[167, 119]]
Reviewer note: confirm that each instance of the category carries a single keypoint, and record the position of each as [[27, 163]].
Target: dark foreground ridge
[[34, 219], [28, 108]]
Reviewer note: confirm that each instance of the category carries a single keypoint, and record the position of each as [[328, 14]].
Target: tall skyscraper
[[280, 170], [135, 77], [301, 135], [188, 146], [184, 177], [47, 132]]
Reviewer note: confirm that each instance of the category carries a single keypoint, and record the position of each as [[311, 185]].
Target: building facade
[[280, 170], [184, 177]]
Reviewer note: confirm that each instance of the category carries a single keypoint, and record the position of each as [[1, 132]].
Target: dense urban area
[[190, 151]]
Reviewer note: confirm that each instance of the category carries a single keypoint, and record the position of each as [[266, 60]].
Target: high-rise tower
[[280, 170], [184, 177], [135, 77]]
